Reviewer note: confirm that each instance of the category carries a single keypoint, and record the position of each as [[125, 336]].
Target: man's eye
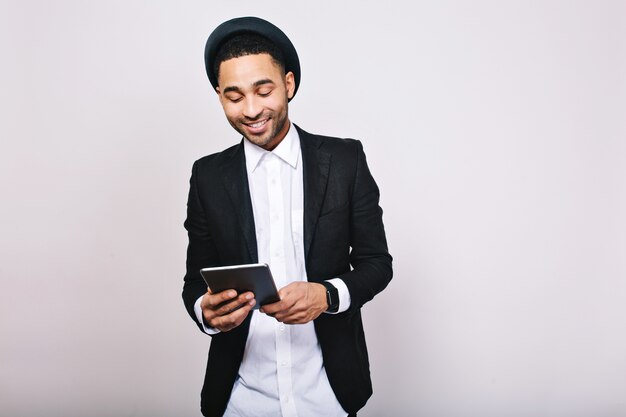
[[234, 99], [265, 93]]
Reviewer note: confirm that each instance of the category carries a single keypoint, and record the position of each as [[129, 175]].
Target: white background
[[496, 132]]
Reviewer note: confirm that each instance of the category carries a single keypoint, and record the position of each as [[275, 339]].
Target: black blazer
[[343, 228]]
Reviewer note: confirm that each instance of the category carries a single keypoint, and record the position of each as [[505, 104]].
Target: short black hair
[[247, 44]]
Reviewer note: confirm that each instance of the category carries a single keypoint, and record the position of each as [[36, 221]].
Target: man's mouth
[[257, 127]]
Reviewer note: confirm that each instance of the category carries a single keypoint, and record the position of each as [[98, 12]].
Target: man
[[307, 206]]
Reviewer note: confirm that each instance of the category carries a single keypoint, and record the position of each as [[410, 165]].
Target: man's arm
[[201, 251], [304, 301], [369, 255], [222, 311]]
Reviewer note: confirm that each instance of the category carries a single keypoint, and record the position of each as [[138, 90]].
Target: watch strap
[[332, 297]]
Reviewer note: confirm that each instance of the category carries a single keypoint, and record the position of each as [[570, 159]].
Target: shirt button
[[281, 327], [283, 363]]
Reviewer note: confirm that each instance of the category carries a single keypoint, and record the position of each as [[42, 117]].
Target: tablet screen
[[250, 277]]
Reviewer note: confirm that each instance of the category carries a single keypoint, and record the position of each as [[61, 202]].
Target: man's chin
[[257, 140], [263, 140]]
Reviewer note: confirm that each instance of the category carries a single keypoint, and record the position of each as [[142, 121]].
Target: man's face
[[254, 93]]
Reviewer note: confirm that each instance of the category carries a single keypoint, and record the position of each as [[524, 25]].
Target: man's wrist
[[332, 297], [205, 326]]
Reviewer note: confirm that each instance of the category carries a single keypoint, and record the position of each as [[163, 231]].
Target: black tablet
[[251, 277]]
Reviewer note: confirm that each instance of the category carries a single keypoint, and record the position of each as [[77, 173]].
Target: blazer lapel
[[315, 168], [235, 180]]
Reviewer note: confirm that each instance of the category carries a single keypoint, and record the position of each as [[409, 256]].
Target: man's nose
[[252, 108]]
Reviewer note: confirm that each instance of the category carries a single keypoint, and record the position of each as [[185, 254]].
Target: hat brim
[[258, 26]]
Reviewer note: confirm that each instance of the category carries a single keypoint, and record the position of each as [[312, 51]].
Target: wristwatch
[[332, 297]]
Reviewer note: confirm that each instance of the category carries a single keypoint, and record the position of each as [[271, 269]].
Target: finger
[[272, 308], [211, 311], [285, 291], [230, 306], [298, 317], [213, 300], [290, 309], [233, 319], [280, 307], [223, 296]]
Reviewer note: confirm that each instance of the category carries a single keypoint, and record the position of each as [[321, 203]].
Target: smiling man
[[307, 206], [254, 91]]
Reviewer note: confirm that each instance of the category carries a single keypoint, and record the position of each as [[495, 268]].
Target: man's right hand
[[226, 310]]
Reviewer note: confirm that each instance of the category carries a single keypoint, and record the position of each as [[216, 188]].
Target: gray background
[[496, 131]]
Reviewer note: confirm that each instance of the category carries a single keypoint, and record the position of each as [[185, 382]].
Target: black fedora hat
[[258, 26]]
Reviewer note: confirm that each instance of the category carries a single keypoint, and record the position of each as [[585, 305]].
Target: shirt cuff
[[198, 310], [344, 295]]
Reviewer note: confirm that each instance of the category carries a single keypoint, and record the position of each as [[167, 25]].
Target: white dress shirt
[[282, 371]]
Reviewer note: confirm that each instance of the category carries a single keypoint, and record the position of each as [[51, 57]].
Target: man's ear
[[290, 83], [220, 97]]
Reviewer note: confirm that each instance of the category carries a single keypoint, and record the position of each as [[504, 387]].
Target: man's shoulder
[[330, 144], [217, 158]]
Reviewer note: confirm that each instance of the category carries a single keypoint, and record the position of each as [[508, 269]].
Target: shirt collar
[[288, 150]]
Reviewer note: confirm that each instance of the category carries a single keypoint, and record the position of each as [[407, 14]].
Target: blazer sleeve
[[201, 251], [369, 256]]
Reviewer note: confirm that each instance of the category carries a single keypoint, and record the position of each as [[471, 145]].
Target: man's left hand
[[300, 302]]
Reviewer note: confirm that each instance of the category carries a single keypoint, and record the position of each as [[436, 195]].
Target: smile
[[258, 124]]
